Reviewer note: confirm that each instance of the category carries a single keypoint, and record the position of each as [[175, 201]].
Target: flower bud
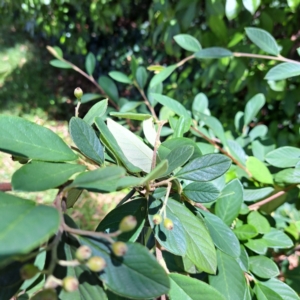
[[70, 284], [128, 223], [47, 294], [83, 253], [78, 93], [168, 223], [28, 271], [157, 219], [119, 248], [96, 264]]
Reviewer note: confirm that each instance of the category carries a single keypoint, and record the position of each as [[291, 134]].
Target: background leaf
[[263, 267], [187, 42], [259, 222], [109, 88], [284, 157], [141, 76], [258, 170], [60, 64], [90, 63], [162, 75], [283, 71], [253, 106], [26, 139], [120, 77], [251, 5], [97, 110], [213, 52]]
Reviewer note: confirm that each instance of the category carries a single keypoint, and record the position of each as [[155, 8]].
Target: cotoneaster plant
[[208, 214]]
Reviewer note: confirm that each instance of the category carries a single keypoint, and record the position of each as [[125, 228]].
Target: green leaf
[[201, 192], [141, 76], [253, 106], [97, 110], [264, 293], [162, 75], [263, 39], [245, 232], [277, 239], [100, 180], [157, 172], [291, 176], [90, 97], [187, 42], [90, 63], [283, 71], [205, 168], [120, 77], [85, 138], [72, 197], [284, 157], [178, 157], [258, 170], [257, 194], [135, 150], [258, 246], [259, 222], [131, 116], [251, 5], [18, 220], [109, 88], [213, 52], [175, 240], [281, 289], [136, 275], [110, 142], [230, 201], [111, 222], [243, 259], [60, 64], [230, 280], [41, 176], [200, 248], [149, 131], [231, 9], [263, 267], [26, 139], [130, 105], [187, 288], [221, 234]]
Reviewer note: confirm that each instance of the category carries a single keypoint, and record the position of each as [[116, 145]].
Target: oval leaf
[[97, 110], [60, 64], [213, 52], [90, 63], [201, 192], [283, 71], [109, 88], [162, 75], [258, 170], [284, 157], [253, 106], [263, 267], [187, 42], [120, 77]]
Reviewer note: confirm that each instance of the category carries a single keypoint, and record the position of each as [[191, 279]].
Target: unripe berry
[[168, 223], [128, 223], [83, 253], [29, 271], [157, 219], [70, 284], [96, 264], [78, 93], [47, 294], [119, 248]]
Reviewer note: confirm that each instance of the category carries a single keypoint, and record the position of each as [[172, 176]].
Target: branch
[[185, 60], [222, 150], [257, 205], [5, 186]]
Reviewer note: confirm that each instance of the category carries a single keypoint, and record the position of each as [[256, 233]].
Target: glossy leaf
[[253, 106], [187, 42], [60, 64], [120, 77], [243, 259], [291, 176], [283, 71], [258, 170], [111, 221], [264, 293], [213, 52], [138, 153], [205, 168], [41, 176], [26, 139], [263, 39], [202, 192], [90, 63], [245, 232], [221, 234], [19, 218], [230, 280], [258, 246], [141, 76], [136, 275], [97, 110], [251, 5], [99, 180], [157, 172], [263, 267], [187, 288], [229, 203], [257, 194], [131, 116], [284, 157], [85, 138], [110, 142], [277, 239], [109, 88], [162, 75], [90, 97], [259, 222], [231, 9]]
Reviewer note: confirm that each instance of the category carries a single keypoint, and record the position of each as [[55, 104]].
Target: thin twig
[[222, 150], [201, 206], [185, 60], [279, 57], [271, 198], [157, 142]]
